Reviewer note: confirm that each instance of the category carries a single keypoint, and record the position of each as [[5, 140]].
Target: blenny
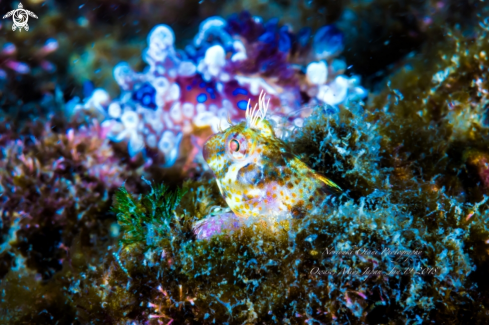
[[259, 176]]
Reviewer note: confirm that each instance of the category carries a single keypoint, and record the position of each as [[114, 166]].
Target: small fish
[[258, 176]]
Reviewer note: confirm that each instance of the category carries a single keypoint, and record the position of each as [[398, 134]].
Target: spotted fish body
[[258, 175]]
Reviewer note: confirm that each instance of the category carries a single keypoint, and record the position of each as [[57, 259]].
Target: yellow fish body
[[259, 176]]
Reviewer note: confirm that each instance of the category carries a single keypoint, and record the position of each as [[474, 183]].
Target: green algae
[[148, 216]]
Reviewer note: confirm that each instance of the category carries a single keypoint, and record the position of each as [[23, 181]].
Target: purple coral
[[183, 96]]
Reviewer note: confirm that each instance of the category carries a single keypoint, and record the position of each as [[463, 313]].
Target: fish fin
[[215, 225], [251, 174], [331, 186]]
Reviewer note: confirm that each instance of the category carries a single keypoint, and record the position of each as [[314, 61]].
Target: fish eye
[[234, 145], [237, 145]]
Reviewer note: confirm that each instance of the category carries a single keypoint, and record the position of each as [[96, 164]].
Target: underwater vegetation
[[53, 187], [149, 216], [447, 111], [86, 238], [256, 276]]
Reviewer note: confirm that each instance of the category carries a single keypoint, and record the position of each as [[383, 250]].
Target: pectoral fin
[[251, 174], [215, 225]]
